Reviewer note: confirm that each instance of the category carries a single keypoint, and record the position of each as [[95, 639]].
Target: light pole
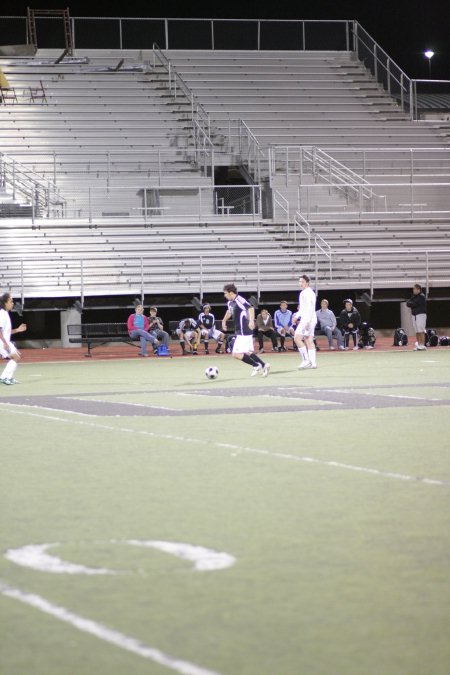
[[429, 55]]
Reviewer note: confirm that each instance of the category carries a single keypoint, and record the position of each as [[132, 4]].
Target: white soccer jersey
[[307, 306], [5, 324]]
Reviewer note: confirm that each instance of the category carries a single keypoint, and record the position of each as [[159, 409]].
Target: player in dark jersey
[[188, 333], [243, 315], [207, 323]]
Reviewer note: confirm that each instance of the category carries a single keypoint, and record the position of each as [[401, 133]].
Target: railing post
[[14, 178], [412, 199], [259, 35], [33, 202], [212, 35], [411, 163], [89, 205], [120, 34], [145, 204], [411, 101], [347, 37], [258, 278], [199, 202], [371, 273], [303, 36], [427, 280], [388, 74], [81, 282], [166, 32], [375, 61], [201, 278]]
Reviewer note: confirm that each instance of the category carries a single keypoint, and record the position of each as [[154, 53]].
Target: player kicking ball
[[243, 315], [306, 319]]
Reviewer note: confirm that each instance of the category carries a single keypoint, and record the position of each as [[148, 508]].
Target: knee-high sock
[[9, 369], [312, 356]]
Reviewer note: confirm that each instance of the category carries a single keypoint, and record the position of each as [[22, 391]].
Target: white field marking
[[202, 395], [302, 399], [417, 398], [204, 559], [102, 632], [209, 443], [99, 400], [35, 557]]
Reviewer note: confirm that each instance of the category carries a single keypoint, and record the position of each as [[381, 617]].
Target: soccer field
[[154, 521]]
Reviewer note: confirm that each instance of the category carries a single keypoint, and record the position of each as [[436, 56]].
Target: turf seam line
[[268, 453]]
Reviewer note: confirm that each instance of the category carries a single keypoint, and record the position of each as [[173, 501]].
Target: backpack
[[400, 338], [444, 341], [367, 337], [431, 338]]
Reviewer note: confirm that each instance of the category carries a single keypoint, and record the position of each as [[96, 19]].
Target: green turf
[[338, 571]]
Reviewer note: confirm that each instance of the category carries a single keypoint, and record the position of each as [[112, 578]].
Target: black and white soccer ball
[[212, 372]]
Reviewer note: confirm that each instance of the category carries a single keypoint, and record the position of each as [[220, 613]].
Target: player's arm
[[251, 317], [20, 329], [225, 319], [5, 344]]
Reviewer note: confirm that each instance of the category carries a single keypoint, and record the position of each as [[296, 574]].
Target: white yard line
[[209, 443], [102, 632]]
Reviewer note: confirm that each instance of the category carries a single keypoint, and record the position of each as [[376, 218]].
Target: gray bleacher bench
[[96, 334]]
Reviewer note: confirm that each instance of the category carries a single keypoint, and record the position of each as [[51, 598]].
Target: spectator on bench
[[188, 333], [207, 325], [264, 328], [156, 327], [349, 321], [138, 330], [328, 325], [283, 324]]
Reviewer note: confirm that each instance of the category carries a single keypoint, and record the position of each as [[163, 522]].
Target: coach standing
[[418, 305]]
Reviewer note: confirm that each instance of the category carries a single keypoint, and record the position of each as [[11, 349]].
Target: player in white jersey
[[7, 349], [306, 320]]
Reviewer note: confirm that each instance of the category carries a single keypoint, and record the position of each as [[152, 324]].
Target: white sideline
[[103, 632], [199, 441]]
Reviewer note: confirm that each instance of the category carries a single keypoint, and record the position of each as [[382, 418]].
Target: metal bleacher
[[343, 184]]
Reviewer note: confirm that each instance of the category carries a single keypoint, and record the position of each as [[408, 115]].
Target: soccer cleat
[[421, 348], [261, 351], [141, 354], [266, 370], [341, 348], [304, 365], [256, 370], [332, 348], [218, 350], [7, 381]]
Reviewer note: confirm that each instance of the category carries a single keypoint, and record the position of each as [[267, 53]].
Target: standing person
[[328, 324], [156, 327], [137, 325], [207, 324], [418, 305], [264, 328], [306, 319], [244, 324], [7, 349], [283, 323], [349, 322]]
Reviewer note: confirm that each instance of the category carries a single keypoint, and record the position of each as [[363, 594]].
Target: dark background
[[403, 29]]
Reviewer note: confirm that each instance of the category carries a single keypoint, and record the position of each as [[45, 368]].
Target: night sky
[[403, 29]]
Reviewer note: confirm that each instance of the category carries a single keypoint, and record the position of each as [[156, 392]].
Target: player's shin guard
[[304, 353], [312, 356], [256, 361]]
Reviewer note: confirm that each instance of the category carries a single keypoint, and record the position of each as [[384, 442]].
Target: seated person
[[207, 324], [328, 325], [349, 321], [283, 324], [188, 333], [156, 326], [138, 330], [264, 328], [367, 337]]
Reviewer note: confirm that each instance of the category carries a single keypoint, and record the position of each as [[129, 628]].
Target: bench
[[96, 334]]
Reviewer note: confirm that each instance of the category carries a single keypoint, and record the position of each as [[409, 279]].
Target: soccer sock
[[282, 341], [312, 356], [206, 343], [219, 344], [257, 361], [183, 345], [9, 369], [247, 359], [304, 353]]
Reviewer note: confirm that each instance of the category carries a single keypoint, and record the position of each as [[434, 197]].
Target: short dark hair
[[155, 308], [418, 286], [305, 277], [230, 288]]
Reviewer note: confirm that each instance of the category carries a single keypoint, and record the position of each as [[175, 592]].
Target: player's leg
[[12, 359], [301, 346]]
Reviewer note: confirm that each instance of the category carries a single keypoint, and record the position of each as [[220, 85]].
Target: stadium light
[[429, 53]]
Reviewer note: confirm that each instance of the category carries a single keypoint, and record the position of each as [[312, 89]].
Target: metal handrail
[[302, 224]]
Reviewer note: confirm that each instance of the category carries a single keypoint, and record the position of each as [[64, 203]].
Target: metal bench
[[96, 334]]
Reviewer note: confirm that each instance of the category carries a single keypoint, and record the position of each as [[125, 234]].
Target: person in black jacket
[[418, 305], [349, 321]]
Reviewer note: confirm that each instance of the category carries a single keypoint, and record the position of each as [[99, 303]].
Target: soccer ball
[[212, 372]]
